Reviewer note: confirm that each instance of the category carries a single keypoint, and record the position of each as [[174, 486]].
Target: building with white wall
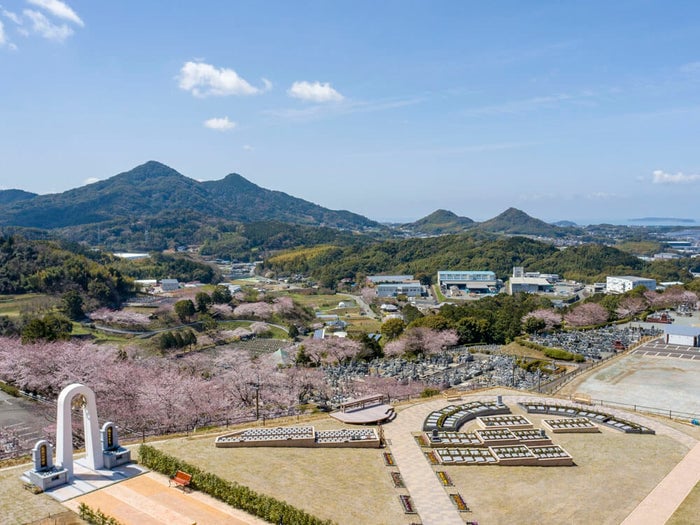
[[625, 283], [409, 289], [529, 285], [473, 281], [682, 335]]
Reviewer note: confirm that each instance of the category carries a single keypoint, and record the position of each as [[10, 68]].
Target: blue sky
[[566, 110]]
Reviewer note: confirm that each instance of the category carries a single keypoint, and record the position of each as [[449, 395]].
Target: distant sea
[[641, 221]]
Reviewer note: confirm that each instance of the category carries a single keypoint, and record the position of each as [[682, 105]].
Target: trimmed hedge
[[554, 353], [9, 389], [230, 492]]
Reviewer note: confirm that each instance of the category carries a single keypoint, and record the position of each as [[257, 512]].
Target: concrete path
[[429, 496], [147, 500], [662, 502]]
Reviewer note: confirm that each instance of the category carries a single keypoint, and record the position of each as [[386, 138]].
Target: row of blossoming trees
[[621, 307], [163, 395]]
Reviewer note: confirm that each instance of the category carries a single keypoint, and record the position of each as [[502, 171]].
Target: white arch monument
[[64, 438]]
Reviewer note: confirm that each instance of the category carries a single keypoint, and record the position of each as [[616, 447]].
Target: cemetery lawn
[[687, 513], [613, 473], [348, 486], [18, 505]]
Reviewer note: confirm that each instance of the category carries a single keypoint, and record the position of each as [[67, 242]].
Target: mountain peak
[[440, 222], [150, 170], [516, 222]]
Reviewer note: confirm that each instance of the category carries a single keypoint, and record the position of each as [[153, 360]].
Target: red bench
[[180, 479]]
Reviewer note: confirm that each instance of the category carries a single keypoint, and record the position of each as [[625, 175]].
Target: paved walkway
[[662, 502], [429, 497], [147, 500]]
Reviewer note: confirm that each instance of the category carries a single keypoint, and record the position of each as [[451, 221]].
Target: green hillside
[[440, 222]]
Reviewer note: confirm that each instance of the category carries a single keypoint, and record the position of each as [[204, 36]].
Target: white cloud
[[267, 85], [11, 16], [661, 177], [247, 147], [203, 80], [47, 29], [219, 124], [59, 10], [3, 38], [316, 112], [523, 106], [314, 92], [91, 180]]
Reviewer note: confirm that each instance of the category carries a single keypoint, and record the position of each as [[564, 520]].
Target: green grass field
[[16, 305]]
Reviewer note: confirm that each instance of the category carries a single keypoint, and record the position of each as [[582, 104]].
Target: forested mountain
[[440, 222], [470, 251], [517, 222], [56, 267], [10, 196], [153, 189]]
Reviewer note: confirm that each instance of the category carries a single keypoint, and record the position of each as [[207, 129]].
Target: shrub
[[95, 517], [429, 392]]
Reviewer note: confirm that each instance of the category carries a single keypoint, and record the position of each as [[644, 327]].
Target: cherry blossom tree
[[550, 318], [630, 306], [259, 310], [368, 294], [587, 314], [422, 341], [221, 310], [331, 350], [259, 328], [119, 317], [675, 296], [282, 305]]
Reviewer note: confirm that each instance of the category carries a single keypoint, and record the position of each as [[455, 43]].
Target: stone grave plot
[[572, 425], [465, 456], [506, 456], [496, 436], [596, 416], [487, 437], [504, 421], [531, 436], [452, 417], [453, 439], [302, 436], [519, 455], [552, 456]]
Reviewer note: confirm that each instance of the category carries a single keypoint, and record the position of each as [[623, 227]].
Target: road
[[23, 417], [362, 304]]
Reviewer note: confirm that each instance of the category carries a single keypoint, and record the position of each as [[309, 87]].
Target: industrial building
[[471, 281], [409, 289], [529, 285], [625, 283]]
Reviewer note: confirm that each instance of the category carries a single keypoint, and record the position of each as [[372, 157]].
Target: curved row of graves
[[594, 416], [452, 417], [300, 436], [509, 439], [505, 440]]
